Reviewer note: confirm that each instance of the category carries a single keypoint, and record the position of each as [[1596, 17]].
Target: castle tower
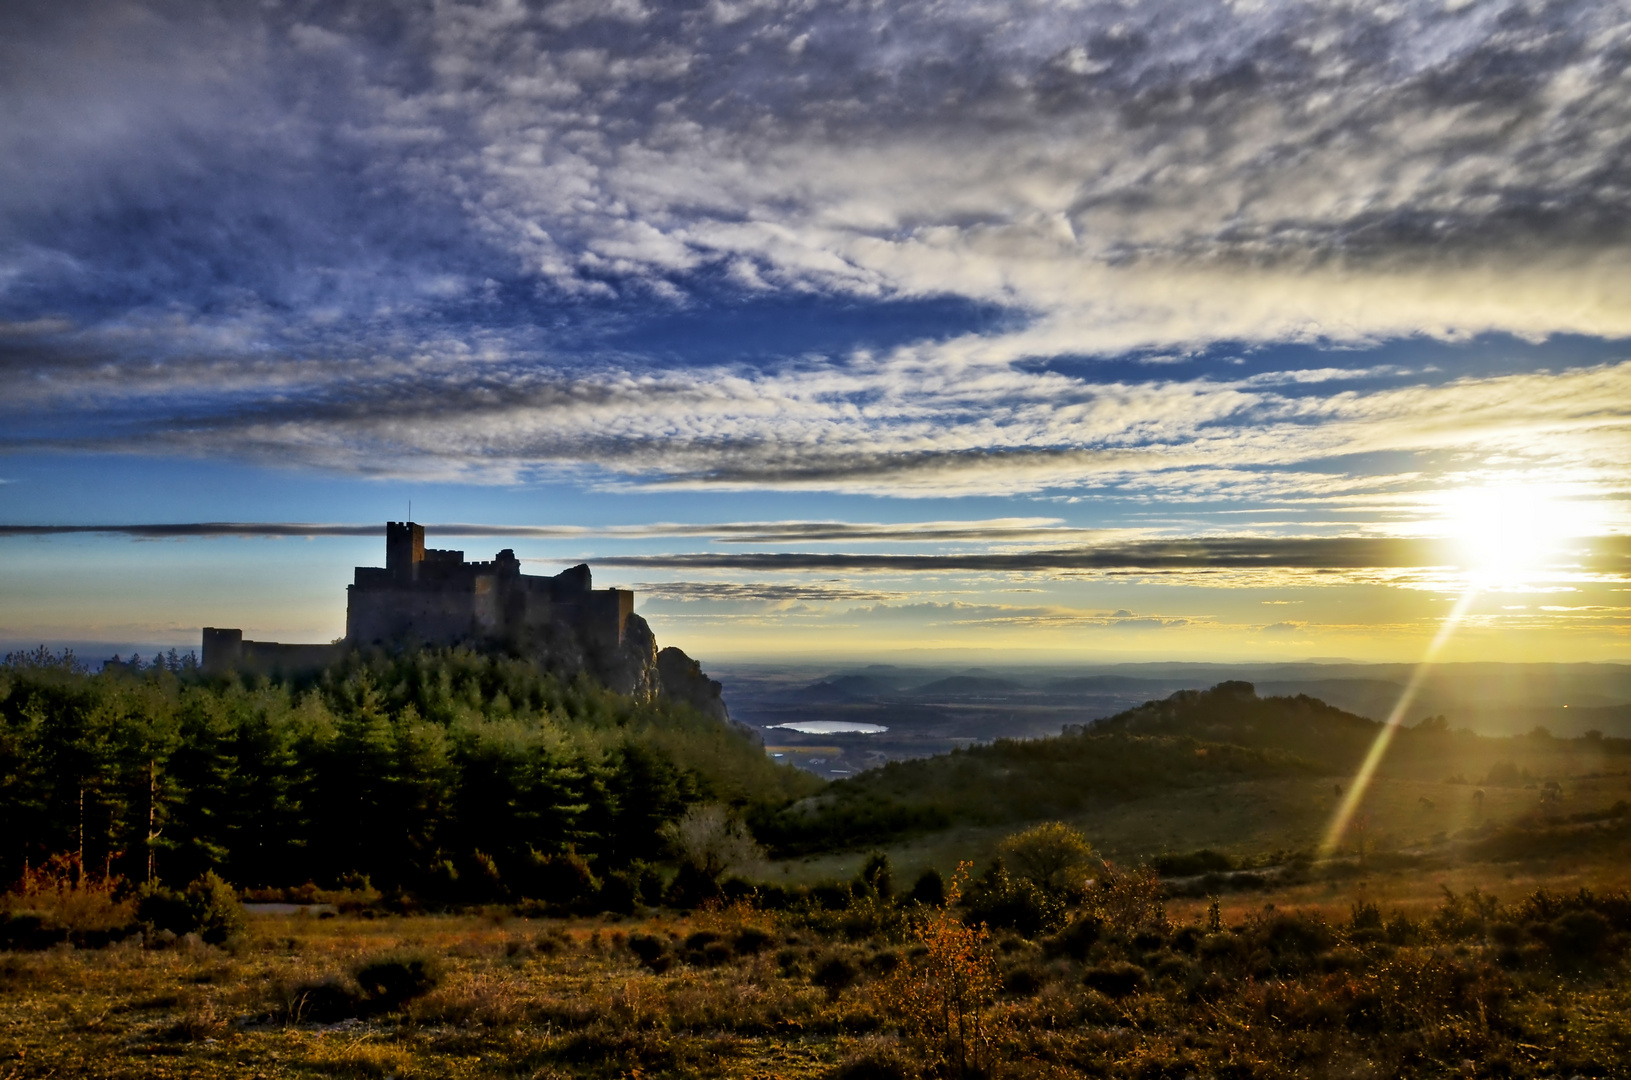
[[404, 549]]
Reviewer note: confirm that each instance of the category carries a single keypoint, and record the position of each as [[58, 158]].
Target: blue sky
[[1014, 282]]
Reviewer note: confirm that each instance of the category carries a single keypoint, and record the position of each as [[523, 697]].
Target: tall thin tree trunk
[[79, 861], [152, 799]]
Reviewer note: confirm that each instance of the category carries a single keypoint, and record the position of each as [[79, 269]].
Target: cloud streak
[[772, 532], [1608, 555]]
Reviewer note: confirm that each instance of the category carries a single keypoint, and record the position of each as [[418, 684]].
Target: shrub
[[1053, 857], [878, 877], [943, 994], [1579, 935], [379, 985], [1022, 981], [324, 1000], [834, 974], [1221, 946], [929, 889], [1292, 934], [1076, 938], [161, 908], [884, 961], [1401, 929], [1461, 917], [691, 888], [389, 982], [565, 880], [1116, 979], [1174, 967], [57, 902], [26, 930], [216, 913], [651, 951], [791, 961], [750, 940], [1127, 901], [208, 907], [883, 1064], [709, 841], [1004, 902], [707, 948]]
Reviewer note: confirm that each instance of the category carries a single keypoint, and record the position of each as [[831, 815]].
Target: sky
[[1064, 332]]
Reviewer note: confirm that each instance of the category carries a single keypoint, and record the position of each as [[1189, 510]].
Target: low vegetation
[[1010, 975], [538, 880]]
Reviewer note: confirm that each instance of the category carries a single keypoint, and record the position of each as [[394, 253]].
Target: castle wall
[[273, 658], [226, 650], [434, 616]]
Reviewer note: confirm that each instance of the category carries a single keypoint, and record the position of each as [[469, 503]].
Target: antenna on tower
[[410, 509]]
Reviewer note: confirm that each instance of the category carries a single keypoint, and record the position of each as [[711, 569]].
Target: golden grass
[[1244, 820], [525, 992], [545, 998]]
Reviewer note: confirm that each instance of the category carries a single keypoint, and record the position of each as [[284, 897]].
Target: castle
[[433, 597], [429, 597]]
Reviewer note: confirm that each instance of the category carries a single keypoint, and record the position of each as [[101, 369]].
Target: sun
[[1509, 532]]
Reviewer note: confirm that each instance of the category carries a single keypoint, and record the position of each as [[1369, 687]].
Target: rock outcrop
[[682, 679]]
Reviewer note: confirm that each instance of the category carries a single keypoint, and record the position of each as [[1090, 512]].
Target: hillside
[[1192, 740]]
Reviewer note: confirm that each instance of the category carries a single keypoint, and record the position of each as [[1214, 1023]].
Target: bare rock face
[[682, 679], [631, 667]]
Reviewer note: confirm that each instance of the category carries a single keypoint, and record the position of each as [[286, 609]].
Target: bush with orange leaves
[[944, 995], [1127, 901], [59, 901]]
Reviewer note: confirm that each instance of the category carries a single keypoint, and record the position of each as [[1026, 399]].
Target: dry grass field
[[1294, 982]]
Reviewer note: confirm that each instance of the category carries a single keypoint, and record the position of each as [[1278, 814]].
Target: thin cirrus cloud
[[434, 238], [735, 532], [1112, 551]]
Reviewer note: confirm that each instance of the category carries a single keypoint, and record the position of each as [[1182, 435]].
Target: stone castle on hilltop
[[429, 597]]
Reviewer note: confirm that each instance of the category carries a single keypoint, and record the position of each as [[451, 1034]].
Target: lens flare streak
[[1361, 781]]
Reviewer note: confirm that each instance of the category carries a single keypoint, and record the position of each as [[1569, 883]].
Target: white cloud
[[1157, 176]]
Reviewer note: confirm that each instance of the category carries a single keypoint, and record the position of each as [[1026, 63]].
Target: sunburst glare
[[1509, 533]]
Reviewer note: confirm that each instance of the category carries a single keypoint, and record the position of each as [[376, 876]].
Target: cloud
[[754, 592], [426, 244], [1610, 555], [1033, 530], [1008, 616], [198, 529]]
